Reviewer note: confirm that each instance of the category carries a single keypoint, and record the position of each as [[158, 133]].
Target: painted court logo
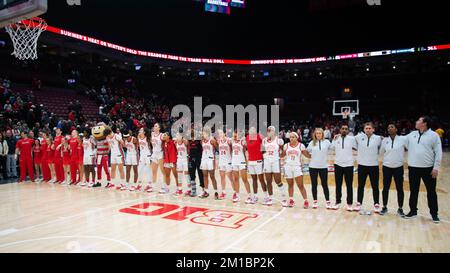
[[196, 215]]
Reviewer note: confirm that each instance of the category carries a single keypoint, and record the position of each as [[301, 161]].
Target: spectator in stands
[[11, 166], [3, 155]]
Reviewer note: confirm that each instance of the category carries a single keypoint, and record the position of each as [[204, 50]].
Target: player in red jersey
[[45, 168], [59, 169], [170, 164], [37, 158], [255, 162], [80, 153], [74, 141], [50, 159], [24, 149], [64, 149]]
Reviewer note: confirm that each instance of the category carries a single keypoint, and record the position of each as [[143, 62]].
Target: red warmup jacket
[[170, 152]]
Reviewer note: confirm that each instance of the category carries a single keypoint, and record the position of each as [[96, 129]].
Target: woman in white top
[[239, 166], [131, 158], [117, 157], [157, 152], [224, 148], [272, 146], [144, 167], [292, 153], [207, 163], [182, 145], [318, 166]]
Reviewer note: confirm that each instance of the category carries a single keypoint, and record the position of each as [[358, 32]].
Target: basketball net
[[24, 35], [345, 114], [348, 115]]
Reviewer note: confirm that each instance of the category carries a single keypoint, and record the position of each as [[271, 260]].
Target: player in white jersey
[[272, 146], [239, 166], [292, 152], [207, 162], [144, 166], [88, 159], [157, 152], [131, 158], [182, 145], [224, 147], [117, 157]]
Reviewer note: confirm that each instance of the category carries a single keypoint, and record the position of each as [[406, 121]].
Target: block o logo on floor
[[203, 216]]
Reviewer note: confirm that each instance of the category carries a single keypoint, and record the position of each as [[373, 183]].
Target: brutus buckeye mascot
[[100, 132]]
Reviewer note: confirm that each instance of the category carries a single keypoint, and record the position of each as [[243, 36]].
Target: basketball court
[[56, 218], [49, 218]]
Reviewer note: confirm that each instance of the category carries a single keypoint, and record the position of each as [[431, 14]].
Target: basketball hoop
[[24, 35]]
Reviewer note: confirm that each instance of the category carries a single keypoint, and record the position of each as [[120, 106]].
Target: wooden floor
[[55, 218]]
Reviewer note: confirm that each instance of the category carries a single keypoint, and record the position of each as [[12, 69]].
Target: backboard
[[12, 11]]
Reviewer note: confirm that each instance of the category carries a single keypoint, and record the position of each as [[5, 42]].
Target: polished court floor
[[55, 218]]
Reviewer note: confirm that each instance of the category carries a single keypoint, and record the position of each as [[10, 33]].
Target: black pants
[[323, 173], [397, 174], [3, 165], [373, 172], [194, 165], [339, 174], [415, 174]]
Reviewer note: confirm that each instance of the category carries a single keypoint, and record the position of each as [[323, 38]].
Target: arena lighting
[[164, 56]]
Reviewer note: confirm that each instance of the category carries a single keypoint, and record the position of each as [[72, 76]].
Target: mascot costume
[[100, 132]]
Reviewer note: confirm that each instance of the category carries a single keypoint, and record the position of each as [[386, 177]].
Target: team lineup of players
[[75, 160]]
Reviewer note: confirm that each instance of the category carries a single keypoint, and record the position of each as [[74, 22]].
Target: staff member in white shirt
[[343, 167], [368, 150], [318, 166], [393, 151], [424, 160]]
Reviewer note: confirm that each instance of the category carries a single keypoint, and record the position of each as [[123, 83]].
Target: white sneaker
[[52, 181], [132, 188], [254, 199], [337, 206], [358, 207], [267, 201], [284, 203], [83, 184], [236, 198], [90, 184], [164, 191], [349, 208], [328, 205], [148, 189], [377, 208], [315, 204], [249, 200]]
